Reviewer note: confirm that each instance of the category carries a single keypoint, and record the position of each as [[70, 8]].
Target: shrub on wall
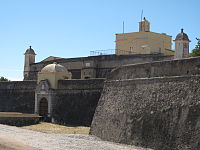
[[196, 51]]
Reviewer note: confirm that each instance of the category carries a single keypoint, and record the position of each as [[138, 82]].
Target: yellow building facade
[[53, 73], [143, 42]]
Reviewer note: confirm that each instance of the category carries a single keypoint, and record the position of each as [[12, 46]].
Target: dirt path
[[7, 143], [13, 138]]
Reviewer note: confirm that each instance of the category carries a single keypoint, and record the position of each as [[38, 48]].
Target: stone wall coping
[[155, 62], [155, 79]]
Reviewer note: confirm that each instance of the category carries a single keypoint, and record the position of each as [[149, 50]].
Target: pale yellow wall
[[144, 26], [29, 59], [49, 76], [181, 49], [169, 52], [142, 43], [53, 77]]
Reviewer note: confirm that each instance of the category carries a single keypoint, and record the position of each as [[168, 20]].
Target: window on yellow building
[[159, 50]]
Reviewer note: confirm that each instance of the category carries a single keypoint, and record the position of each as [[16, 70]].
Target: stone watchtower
[[144, 25], [181, 45], [29, 59]]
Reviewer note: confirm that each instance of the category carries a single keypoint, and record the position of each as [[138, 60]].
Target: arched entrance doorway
[[43, 107]]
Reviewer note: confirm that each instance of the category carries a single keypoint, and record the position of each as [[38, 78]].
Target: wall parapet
[[18, 85], [189, 66], [153, 79]]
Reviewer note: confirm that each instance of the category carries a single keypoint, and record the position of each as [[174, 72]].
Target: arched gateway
[[43, 99], [47, 84], [43, 107]]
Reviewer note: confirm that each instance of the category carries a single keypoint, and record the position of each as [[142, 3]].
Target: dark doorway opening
[[43, 107]]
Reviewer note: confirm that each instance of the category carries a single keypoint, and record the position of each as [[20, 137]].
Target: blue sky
[[73, 28]]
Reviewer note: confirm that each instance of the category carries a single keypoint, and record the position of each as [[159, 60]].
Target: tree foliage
[[3, 79], [196, 51]]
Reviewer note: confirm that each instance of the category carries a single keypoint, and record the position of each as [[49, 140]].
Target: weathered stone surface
[[181, 67], [17, 96], [19, 121], [76, 101], [102, 64], [160, 113]]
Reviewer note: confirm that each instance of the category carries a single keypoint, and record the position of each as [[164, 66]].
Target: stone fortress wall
[[95, 66], [143, 102], [158, 108], [17, 96], [76, 101], [151, 104], [179, 67]]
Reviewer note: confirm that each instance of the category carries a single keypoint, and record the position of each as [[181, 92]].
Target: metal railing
[[110, 52], [116, 51], [102, 52]]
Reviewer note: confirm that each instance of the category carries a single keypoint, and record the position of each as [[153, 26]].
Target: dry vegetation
[[55, 128], [16, 114]]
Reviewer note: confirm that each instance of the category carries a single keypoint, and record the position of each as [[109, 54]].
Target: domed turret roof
[[30, 51], [182, 36], [54, 68]]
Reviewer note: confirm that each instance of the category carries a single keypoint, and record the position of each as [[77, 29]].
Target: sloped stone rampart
[[159, 113]]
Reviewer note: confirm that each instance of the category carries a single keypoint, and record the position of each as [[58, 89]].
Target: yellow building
[[143, 42], [53, 73]]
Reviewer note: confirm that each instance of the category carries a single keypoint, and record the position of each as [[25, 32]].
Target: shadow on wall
[[76, 108]]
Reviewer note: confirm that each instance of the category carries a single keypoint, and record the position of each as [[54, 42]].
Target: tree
[[3, 79], [196, 51]]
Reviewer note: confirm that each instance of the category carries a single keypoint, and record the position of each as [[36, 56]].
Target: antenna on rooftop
[[141, 14], [123, 26]]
